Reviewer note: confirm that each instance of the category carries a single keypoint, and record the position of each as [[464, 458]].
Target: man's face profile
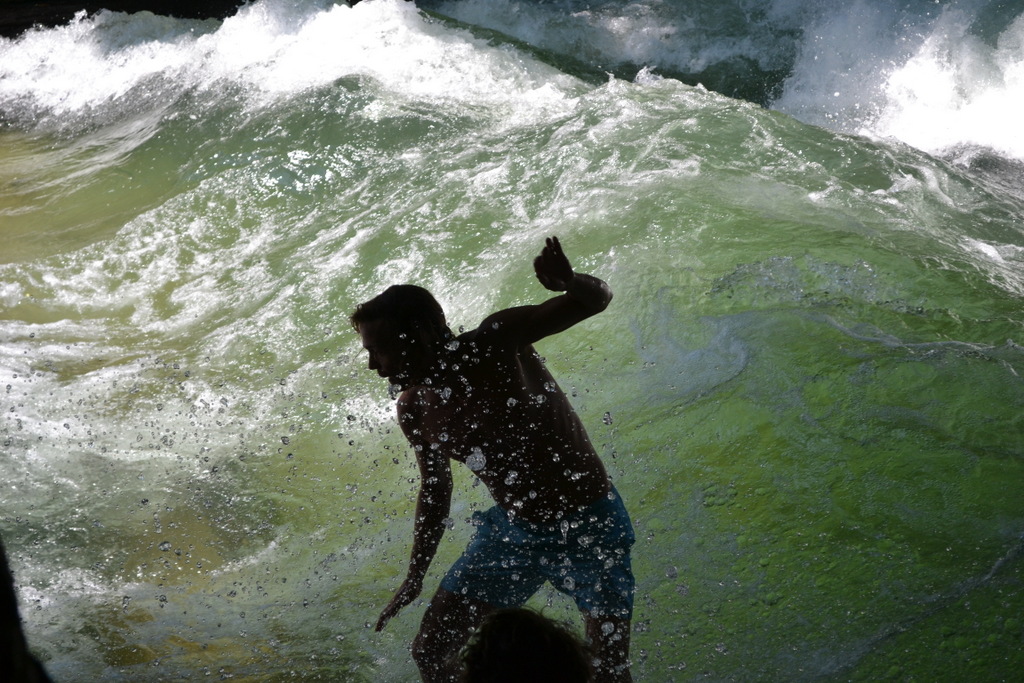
[[380, 339], [392, 354]]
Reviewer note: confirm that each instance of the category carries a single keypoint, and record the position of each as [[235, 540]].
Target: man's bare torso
[[501, 413]]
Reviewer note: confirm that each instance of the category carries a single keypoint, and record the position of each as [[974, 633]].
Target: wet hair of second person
[[520, 644]]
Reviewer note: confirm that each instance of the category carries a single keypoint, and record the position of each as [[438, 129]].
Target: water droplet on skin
[[512, 402], [511, 477], [607, 628], [476, 460], [607, 419]]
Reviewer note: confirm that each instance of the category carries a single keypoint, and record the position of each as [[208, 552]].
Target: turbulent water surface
[[808, 387]]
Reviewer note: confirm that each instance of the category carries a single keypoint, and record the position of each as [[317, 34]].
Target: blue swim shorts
[[584, 555]]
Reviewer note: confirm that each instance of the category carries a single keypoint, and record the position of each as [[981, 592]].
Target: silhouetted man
[[484, 399]]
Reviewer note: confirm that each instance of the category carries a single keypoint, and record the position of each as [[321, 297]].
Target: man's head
[[402, 329]]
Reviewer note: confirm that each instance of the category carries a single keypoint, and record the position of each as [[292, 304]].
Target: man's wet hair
[[411, 308], [519, 644]]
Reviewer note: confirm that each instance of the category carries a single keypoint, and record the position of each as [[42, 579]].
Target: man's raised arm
[[584, 296]]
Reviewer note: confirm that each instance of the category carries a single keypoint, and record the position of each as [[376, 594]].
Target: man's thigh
[[499, 567]]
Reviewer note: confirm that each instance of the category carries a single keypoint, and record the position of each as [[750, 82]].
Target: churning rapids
[[808, 387]]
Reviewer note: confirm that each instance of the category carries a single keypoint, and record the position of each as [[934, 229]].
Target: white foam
[[843, 54], [923, 79], [910, 72], [271, 48], [92, 61], [957, 91]]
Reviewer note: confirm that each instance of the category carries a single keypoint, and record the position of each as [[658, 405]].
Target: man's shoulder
[[417, 400], [499, 330], [412, 398], [421, 414]]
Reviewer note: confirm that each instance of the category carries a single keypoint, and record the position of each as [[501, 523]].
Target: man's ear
[[430, 336]]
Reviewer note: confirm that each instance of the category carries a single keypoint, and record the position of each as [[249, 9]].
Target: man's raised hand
[[552, 267]]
